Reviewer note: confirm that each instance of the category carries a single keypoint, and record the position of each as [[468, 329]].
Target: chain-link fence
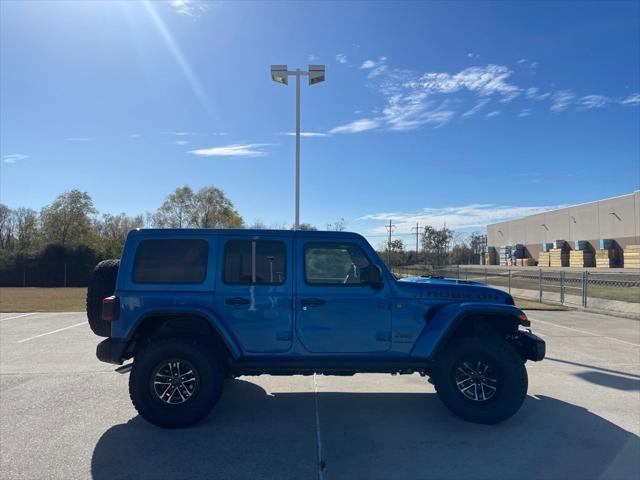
[[617, 291]]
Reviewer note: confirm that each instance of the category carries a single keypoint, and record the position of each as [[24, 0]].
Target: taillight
[[110, 308]]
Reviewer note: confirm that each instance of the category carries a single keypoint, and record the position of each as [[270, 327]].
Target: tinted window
[[254, 262], [335, 264], [171, 261]]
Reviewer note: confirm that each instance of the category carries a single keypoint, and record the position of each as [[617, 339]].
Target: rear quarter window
[[171, 261]]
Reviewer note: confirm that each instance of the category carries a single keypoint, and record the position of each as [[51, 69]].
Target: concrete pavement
[[65, 415]]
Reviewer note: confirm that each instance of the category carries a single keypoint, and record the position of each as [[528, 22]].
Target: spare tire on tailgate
[[101, 285]]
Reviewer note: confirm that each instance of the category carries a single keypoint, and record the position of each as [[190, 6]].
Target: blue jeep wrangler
[[193, 307]]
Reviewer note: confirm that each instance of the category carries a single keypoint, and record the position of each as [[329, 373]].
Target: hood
[[452, 290]]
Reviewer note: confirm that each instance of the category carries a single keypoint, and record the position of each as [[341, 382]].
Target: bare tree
[[337, 226], [6, 227]]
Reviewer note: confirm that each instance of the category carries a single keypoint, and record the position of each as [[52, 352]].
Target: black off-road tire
[[508, 366], [101, 285], [207, 367]]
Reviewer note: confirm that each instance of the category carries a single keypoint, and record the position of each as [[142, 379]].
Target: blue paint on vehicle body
[[399, 319]]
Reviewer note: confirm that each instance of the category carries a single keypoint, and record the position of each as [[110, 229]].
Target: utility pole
[[390, 228], [417, 227]]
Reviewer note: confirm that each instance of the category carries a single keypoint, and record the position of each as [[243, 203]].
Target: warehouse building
[[615, 218]]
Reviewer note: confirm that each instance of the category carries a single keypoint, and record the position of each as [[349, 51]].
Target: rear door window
[[171, 261], [254, 262]]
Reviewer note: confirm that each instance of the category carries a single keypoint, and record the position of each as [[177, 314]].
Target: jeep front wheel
[[481, 379], [175, 382]]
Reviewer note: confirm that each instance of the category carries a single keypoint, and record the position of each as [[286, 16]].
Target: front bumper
[[111, 351], [531, 346]]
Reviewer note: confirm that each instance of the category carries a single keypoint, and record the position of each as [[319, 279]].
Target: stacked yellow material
[[605, 258], [544, 259], [582, 258], [632, 256], [558, 257], [525, 262]]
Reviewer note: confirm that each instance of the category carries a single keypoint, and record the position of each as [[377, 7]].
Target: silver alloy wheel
[[476, 381], [175, 381]]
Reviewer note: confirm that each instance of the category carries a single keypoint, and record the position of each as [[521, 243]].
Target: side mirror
[[375, 276]]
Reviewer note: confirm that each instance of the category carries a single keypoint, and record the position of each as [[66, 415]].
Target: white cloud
[[476, 108], [485, 81], [466, 217], [593, 101], [236, 150], [189, 8], [342, 58], [472, 55], [182, 142], [633, 99], [407, 112], [78, 139], [312, 57], [533, 93], [377, 67], [135, 135], [306, 134], [357, 126], [14, 157], [561, 100], [413, 99], [527, 63]]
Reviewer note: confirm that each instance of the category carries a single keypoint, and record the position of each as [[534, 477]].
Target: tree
[[337, 226], [395, 251], [209, 208], [460, 254], [212, 209], [67, 220], [113, 231], [177, 209], [27, 232], [6, 227], [258, 224], [307, 226], [435, 243]]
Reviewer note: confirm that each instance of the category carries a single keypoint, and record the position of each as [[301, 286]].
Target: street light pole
[[281, 74], [297, 224]]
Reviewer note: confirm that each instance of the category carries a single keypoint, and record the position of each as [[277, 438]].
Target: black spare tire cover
[[101, 285]]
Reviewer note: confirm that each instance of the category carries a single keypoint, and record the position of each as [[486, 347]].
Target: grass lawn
[[73, 300], [42, 299], [525, 304]]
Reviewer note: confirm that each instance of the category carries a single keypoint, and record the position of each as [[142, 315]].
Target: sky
[[443, 113]]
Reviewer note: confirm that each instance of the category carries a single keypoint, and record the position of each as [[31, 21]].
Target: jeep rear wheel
[[175, 382], [481, 379]]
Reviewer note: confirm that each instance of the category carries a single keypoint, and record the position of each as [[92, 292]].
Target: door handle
[[237, 301], [311, 302]]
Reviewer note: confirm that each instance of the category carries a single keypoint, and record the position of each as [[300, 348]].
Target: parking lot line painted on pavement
[[49, 333], [585, 332], [18, 316]]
